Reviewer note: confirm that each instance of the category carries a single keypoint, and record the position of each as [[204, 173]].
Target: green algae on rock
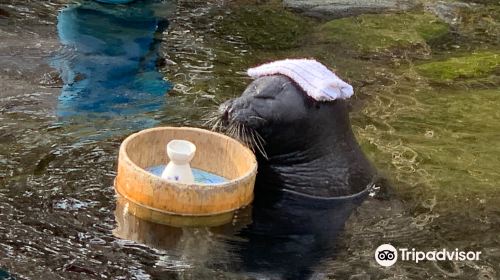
[[265, 28], [475, 65], [379, 33], [481, 25], [437, 142]]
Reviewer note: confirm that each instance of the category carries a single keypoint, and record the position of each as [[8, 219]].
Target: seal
[[303, 146], [311, 175]]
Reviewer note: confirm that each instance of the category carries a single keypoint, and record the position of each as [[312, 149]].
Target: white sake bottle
[[180, 153]]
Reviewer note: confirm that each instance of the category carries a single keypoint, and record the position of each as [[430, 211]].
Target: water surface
[[200, 176], [436, 143]]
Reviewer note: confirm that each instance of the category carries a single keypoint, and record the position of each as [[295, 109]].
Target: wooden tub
[[154, 197]]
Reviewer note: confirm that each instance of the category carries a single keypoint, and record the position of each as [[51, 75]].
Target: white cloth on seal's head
[[313, 77]]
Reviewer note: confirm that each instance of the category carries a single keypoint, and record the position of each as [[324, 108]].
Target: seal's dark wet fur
[[310, 146]]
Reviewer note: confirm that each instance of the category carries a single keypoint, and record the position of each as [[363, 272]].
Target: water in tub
[[200, 176]]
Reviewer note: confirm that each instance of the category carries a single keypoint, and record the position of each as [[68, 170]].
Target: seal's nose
[[225, 115], [225, 109]]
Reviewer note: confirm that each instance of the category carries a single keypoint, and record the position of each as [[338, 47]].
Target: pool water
[[200, 176], [435, 141], [108, 59]]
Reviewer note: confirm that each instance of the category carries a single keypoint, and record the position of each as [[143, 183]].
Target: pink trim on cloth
[[313, 77]]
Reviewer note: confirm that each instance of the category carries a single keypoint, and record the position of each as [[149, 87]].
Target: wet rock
[[472, 22], [480, 25], [473, 66], [449, 12], [330, 9], [369, 34], [264, 28]]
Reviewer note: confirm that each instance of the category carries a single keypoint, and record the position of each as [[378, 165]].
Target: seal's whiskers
[[214, 121], [259, 143], [252, 139], [248, 136], [211, 119]]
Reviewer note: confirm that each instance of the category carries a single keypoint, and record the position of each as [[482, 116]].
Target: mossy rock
[[265, 27], [473, 66], [479, 25], [379, 33]]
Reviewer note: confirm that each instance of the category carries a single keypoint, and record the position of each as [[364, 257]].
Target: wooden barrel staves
[[154, 198]]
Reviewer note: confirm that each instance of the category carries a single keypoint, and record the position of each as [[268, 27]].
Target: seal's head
[[271, 107], [302, 144], [287, 119]]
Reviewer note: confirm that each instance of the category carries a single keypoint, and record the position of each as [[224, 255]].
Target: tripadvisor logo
[[388, 255]]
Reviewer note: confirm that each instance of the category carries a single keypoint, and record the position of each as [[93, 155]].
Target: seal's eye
[[264, 96], [268, 94]]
